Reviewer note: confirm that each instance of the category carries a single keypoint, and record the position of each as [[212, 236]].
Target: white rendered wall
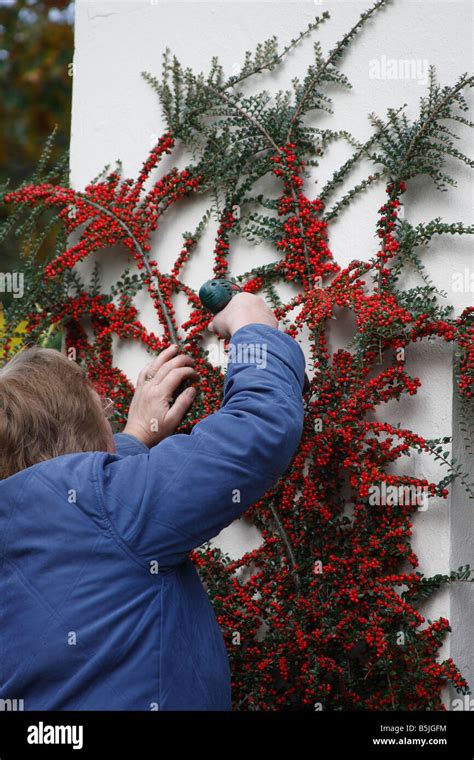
[[116, 115]]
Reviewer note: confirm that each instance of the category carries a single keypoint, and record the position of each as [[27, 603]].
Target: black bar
[[306, 734]]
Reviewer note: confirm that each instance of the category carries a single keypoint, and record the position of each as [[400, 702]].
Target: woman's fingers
[[164, 356], [151, 368], [166, 359], [183, 360], [180, 407], [173, 380], [218, 325], [156, 387]]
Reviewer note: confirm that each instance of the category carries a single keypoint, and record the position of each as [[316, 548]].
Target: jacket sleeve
[[186, 489], [127, 445]]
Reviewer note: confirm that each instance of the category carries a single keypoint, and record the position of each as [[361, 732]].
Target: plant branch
[[153, 279]]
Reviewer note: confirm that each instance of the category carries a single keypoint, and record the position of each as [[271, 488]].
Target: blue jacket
[[100, 607]]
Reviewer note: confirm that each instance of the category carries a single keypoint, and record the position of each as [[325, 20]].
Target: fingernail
[[191, 391]]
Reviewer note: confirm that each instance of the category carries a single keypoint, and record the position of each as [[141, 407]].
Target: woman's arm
[[189, 487]]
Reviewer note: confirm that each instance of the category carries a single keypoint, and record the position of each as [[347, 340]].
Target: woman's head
[[48, 407]]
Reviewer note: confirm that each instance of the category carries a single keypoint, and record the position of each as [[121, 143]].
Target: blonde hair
[[46, 409]]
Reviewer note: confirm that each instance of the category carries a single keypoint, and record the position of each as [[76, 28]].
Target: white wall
[[116, 115]]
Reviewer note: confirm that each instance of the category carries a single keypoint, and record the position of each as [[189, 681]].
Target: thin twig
[[153, 279], [246, 115], [288, 546], [332, 55], [463, 83]]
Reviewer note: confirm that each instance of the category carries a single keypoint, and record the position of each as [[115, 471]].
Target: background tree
[[36, 49]]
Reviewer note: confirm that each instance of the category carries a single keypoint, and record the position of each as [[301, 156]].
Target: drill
[[216, 294]]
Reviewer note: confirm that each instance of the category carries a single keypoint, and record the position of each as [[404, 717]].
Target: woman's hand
[[151, 418], [243, 309]]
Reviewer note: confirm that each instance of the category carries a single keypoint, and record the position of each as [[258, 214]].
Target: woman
[[101, 609]]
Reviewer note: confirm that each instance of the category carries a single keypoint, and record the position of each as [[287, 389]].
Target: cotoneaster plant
[[325, 613]]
